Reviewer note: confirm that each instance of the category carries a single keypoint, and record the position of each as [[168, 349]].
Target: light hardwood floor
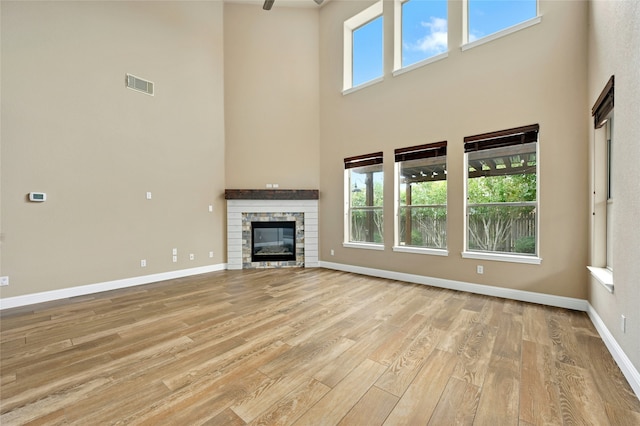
[[305, 347]]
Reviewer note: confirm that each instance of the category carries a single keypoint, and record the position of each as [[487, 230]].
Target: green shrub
[[416, 238], [526, 245]]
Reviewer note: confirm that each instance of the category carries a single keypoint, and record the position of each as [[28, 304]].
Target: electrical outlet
[[480, 269], [148, 195], [175, 259], [210, 208], [4, 281], [143, 263], [276, 185], [332, 252], [174, 251], [192, 256], [269, 185], [210, 254], [623, 323]]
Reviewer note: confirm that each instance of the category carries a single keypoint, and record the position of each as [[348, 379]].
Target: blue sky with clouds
[[489, 16], [424, 31]]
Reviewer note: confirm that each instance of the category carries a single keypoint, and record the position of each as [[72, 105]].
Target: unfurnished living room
[[307, 212]]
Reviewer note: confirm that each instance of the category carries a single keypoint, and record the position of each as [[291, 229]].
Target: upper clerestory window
[[363, 48], [486, 20], [420, 32]]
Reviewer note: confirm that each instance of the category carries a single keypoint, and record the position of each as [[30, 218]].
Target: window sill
[[521, 26], [603, 275], [366, 246], [421, 64], [513, 258], [421, 250], [362, 86]]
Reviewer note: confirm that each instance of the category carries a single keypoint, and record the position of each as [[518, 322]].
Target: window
[[609, 179], [502, 194], [495, 18], [364, 199], [363, 48], [421, 219], [602, 255], [420, 31], [367, 52]]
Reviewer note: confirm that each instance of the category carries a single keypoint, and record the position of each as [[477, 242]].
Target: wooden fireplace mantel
[[271, 194]]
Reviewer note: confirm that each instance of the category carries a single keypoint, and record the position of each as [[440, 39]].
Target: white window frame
[[398, 69], [408, 248], [348, 185], [499, 256], [466, 44], [603, 207], [350, 25], [603, 186], [610, 194]]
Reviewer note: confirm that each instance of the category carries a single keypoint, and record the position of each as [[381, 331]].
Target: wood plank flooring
[[305, 347]]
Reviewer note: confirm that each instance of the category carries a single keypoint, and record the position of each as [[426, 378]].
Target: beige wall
[[537, 75], [614, 35], [70, 128], [272, 115]]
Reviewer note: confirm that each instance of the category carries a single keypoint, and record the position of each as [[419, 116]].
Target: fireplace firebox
[[273, 241]]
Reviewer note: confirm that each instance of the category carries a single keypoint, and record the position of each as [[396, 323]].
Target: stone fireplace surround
[[243, 206]]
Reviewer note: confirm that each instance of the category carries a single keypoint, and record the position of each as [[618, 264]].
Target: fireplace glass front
[[273, 241]]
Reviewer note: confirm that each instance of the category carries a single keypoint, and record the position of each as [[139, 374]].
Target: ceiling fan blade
[[269, 3]]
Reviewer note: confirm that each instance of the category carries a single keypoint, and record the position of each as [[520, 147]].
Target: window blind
[[502, 138], [429, 150], [363, 160], [604, 105]]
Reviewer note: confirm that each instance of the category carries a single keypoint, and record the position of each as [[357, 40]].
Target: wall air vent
[[139, 84]]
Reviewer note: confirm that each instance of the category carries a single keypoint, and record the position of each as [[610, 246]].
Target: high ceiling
[[307, 4]]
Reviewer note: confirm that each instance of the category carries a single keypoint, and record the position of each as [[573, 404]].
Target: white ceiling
[[283, 3]]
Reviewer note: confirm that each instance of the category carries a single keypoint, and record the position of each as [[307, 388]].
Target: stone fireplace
[[272, 223]]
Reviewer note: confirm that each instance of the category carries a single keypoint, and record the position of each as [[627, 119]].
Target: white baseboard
[[623, 361], [630, 372], [505, 293], [47, 296]]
